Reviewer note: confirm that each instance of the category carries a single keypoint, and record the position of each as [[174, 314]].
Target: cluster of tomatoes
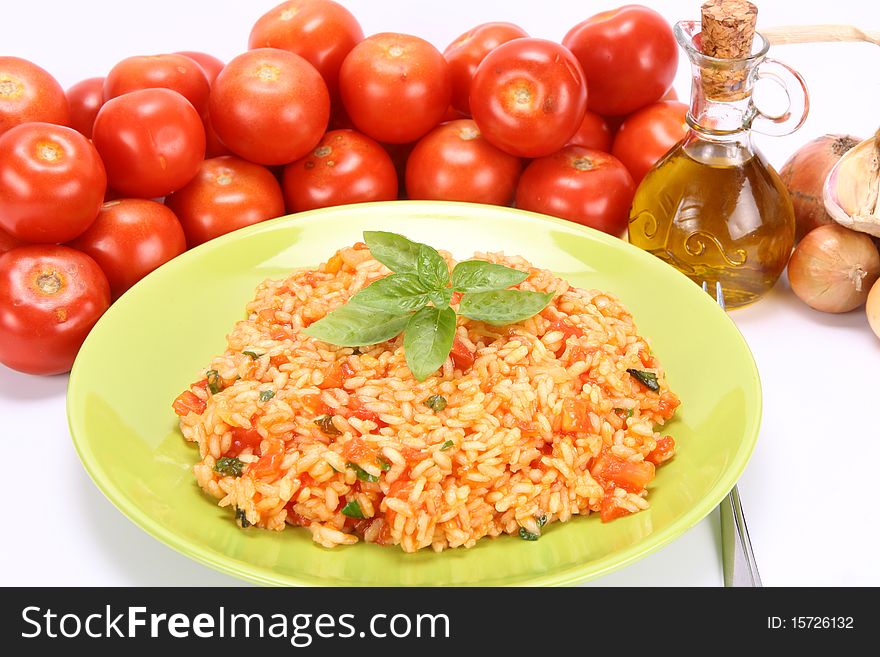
[[101, 184]]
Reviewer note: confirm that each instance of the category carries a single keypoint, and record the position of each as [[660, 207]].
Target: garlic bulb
[[852, 189]]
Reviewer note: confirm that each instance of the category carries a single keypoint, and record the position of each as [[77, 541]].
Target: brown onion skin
[[820, 267], [804, 175]]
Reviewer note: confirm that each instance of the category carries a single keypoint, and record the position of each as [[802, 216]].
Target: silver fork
[[737, 557]]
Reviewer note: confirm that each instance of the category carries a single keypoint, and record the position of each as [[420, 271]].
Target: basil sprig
[[415, 300]]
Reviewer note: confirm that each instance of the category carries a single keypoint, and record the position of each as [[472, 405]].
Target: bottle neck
[[722, 121]]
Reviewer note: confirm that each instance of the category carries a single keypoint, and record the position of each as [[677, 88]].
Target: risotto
[[523, 425]]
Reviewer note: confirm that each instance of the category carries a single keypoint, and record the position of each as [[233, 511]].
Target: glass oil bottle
[[712, 207]]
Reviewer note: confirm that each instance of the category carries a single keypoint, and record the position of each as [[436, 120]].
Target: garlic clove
[[852, 188]]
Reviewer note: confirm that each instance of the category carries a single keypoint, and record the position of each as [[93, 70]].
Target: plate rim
[[207, 556]]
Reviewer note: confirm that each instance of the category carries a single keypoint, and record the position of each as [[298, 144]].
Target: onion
[[804, 176], [872, 308], [833, 268]]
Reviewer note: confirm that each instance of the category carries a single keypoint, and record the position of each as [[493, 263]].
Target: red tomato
[[176, 72], [628, 55], [465, 54], [52, 182], [320, 31], [395, 87], [151, 140], [213, 146], [210, 65], [585, 186], [611, 509], [529, 96], [575, 415], [8, 242], [269, 106], [242, 439], [28, 93], [454, 162], [269, 465], [85, 99], [227, 193], [462, 356], [130, 238], [50, 298], [594, 133], [647, 136], [346, 167]]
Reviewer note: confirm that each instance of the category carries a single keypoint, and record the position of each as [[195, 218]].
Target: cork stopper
[[727, 32]]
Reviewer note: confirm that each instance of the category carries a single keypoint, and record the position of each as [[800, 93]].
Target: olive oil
[[717, 212]]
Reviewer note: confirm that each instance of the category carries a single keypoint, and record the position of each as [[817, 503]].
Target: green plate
[[151, 344]]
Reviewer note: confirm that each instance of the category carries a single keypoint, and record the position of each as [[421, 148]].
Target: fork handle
[[740, 568]]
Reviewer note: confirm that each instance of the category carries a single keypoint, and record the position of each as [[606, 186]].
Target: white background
[[810, 489]]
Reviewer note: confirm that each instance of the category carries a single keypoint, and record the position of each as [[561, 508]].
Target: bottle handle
[[798, 100]]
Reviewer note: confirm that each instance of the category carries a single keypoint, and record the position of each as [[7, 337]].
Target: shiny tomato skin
[[176, 72], [345, 167], [395, 87], [648, 134], [213, 146], [227, 193], [151, 140], [52, 182], [582, 185], [210, 65], [50, 298], [629, 56], [29, 93], [454, 162], [320, 31], [594, 132], [269, 106], [129, 239], [529, 97], [465, 54], [85, 99], [8, 242]]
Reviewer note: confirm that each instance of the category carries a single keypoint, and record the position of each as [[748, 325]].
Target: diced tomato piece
[[611, 510], [647, 359], [631, 476], [203, 384], [359, 246], [306, 480], [186, 403], [334, 264], [315, 405], [357, 450], [357, 410], [243, 438], [575, 415], [668, 403], [462, 356], [309, 278], [337, 374], [270, 462], [456, 298], [567, 329], [664, 451]]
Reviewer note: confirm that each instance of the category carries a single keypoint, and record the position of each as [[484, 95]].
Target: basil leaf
[[647, 379], [353, 510], [436, 403], [446, 445], [441, 298], [526, 535], [501, 307], [229, 466], [384, 465], [266, 395], [428, 339], [353, 325], [482, 276], [433, 269], [394, 251], [215, 384], [397, 293], [362, 474], [254, 355], [242, 518]]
